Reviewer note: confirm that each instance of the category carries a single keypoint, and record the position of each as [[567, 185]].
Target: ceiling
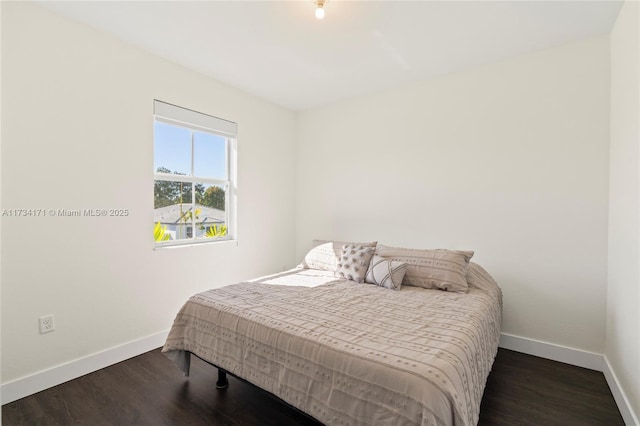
[[279, 51]]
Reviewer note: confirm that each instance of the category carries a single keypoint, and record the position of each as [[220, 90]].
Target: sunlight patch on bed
[[304, 278]]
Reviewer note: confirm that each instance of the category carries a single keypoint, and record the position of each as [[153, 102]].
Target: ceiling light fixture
[[320, 8]]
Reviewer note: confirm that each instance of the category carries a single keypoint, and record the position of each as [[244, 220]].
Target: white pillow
[[325, 254], [386, 273]]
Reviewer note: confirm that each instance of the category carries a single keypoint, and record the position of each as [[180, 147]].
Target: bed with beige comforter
[[348, 353]]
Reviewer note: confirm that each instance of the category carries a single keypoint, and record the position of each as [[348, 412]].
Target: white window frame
[[199, 122]]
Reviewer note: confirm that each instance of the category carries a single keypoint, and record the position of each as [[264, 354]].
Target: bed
[[349, 353]]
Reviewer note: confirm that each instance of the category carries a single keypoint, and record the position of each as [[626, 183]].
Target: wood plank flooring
[[150, 390]]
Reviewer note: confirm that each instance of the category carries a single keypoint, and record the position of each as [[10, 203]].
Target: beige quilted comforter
[[348, 353]]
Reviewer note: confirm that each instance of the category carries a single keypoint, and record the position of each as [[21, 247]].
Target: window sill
[[224, 243]]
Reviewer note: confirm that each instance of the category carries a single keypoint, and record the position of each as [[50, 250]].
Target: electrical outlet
[[46, 324]]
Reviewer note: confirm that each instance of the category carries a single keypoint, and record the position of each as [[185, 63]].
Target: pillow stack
[[391, 267], [442, 269]]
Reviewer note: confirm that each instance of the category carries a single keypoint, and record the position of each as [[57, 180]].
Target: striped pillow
[[441, 269], [386, 273]]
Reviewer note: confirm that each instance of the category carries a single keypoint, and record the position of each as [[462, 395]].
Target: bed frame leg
[[222, 382]]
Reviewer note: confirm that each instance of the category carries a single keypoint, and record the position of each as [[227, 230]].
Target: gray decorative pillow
[[441, 269], [325, 254], [386, 273], [354, 262]]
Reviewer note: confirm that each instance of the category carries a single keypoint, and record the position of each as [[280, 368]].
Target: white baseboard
[[578, 358], [59, 374], [630, 418]]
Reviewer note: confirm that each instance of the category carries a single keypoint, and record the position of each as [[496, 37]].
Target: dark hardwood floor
[[149, 390], [527, 390]]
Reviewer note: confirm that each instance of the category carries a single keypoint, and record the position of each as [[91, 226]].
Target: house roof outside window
[[175, 213]]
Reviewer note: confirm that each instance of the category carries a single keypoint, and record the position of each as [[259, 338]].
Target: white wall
[[77, 133], [623, 296], [509, 160]]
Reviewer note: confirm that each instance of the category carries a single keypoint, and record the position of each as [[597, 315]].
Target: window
[[194, 161]]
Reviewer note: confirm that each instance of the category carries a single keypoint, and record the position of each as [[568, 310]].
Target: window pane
[[212, 216], [195, 147], [172, 210], [209, 156], [172, 149]]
